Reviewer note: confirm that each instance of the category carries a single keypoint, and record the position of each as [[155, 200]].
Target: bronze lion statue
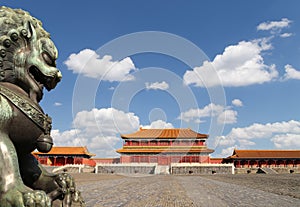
[[27, 65]]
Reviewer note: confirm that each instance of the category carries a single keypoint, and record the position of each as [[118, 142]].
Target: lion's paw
[[36, 199], [25, 198]]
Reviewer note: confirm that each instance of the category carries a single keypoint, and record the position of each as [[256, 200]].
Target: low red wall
[[106, 160]]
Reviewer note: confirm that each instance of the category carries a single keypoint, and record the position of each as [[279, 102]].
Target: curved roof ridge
[[82, 150], [165, 133]]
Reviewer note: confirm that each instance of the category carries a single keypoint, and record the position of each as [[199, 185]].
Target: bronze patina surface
[[27, 66]]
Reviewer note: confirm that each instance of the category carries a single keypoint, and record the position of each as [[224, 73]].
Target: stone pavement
[[175, 191]]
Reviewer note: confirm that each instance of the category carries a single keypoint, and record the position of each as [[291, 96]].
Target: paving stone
[[175, 191]]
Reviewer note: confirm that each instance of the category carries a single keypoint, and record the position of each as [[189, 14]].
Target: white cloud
[[198, 113], [223, 141], [282, 134], [238, 65], [57, 104], [99, 130], [199, 121], [291, 73], [226, 152], [244, 143], [286, 141], [274, 25], [106, 121], [64, 137], [223, 114], [88, 63], [159, 124], [237, 102], [228, 117], [157, 86], [285, 35]]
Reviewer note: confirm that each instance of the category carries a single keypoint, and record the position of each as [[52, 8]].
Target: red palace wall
[[125, 159], [265, 163], [106, 160], [164, 159], [60, 161], [216, 160]]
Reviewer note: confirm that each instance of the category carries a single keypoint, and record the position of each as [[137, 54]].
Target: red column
[[267, 164], [294, 163]]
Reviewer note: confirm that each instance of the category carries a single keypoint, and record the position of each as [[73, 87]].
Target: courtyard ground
[[180, 191]]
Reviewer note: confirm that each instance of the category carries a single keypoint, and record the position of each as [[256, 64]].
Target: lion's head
[[27, 54]]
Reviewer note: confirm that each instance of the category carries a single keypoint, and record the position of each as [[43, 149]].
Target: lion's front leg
[[57, 186], [67, 191], [21, 197], [13, 192]]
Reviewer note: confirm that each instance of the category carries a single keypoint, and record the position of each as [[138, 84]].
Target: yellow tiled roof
[[164, 134], [67, 151], [265, 154]]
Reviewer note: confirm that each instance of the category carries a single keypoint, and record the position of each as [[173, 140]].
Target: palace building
[[165, 146], [264, 158], [59, 156]]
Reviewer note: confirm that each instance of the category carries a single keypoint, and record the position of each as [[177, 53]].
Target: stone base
[[279, 170]]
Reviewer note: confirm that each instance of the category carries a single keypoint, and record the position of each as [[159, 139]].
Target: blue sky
[[127, 64]]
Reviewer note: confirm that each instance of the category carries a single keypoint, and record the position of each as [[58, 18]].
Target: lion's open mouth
[[37, 76], [42, 80]]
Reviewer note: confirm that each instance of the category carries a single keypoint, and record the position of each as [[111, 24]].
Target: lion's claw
[[67, 190], [36, 199], [24, 197]]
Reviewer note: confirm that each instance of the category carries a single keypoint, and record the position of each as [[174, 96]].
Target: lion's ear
[[31, 31]]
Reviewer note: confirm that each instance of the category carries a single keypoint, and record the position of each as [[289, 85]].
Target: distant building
[[264, 158], [59, 156], [165, 146], [115, 160], [214, 160]]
